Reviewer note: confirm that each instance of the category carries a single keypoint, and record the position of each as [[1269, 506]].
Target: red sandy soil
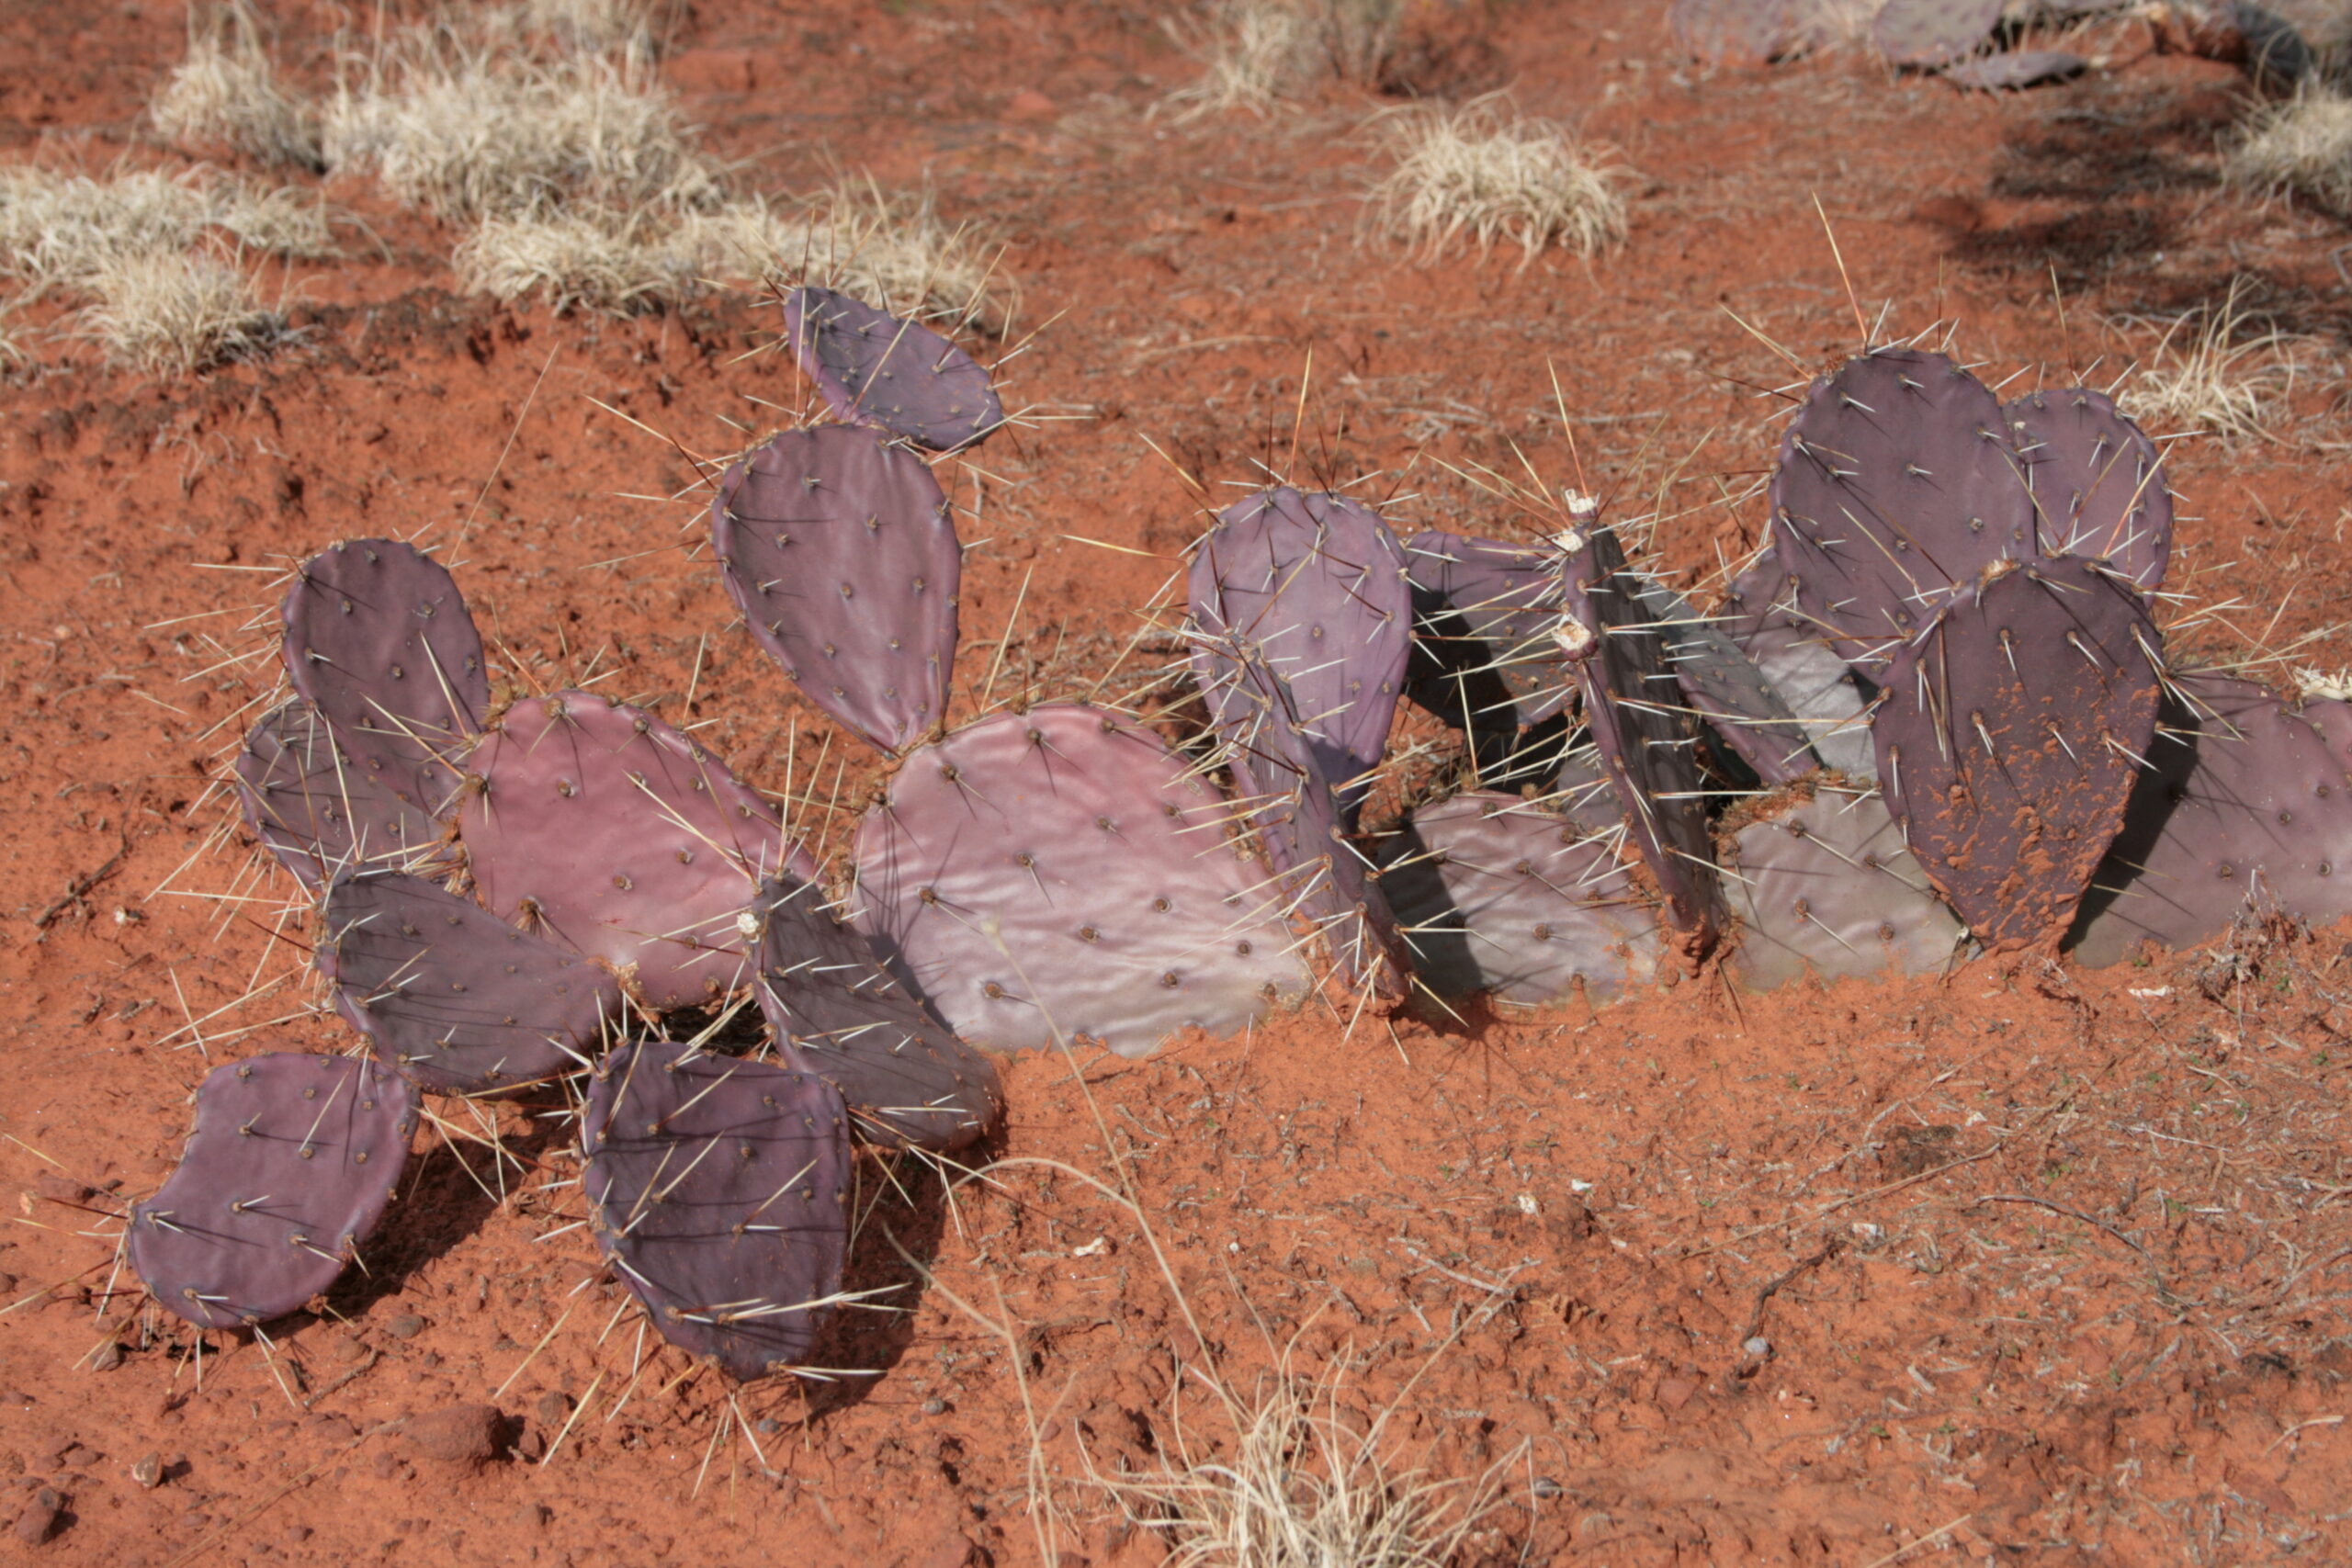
[[2050, 1266]]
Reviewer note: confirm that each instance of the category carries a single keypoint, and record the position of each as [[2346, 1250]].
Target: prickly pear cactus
[[2016, 69], [1932, 34], [1483, 611], [2245, 798], [378, 639], [453, 998], [718, 1187], [838, 547], [289, 1168], [1820, 882], [1498, 895], [317, 807], [601, 826], [1728, 688], [1644, 736], [874, 368], [1316, 584], [2097, 482], [1293, 808], [1821, 690], [2008, 740], [1062, 876], [1737, 32], [837, 1012], [1897, 485]]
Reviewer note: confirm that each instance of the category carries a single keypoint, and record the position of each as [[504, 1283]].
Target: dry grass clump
[[1298, 1485], [226, 92], [466, 130], [894, 251], [59, 229], [1251, 53], [1483, 172], [2298, 146], [2210, 374], [590, 27], [173, 311]]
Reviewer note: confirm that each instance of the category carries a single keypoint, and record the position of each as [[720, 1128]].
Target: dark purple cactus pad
[[1061, 874], [840, 551], [1499, 896], [1645, 737], [2008, 740], [1821, 882], [1727, 688], [1483, 656], [288, 1166], [2245, 798], [720, 1190], [2018, 68], [838, 1012], [875, 369], [606, 829], [1896, 484], [378, 639], [318, 807], [1294, 809], [1316, 585], [1932, 34], [2097, 482], [454, 997], [1759, 613]]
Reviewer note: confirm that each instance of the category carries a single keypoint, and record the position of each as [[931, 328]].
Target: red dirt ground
[[2050, 1264]]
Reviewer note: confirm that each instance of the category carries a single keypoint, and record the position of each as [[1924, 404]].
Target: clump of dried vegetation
[[2212, 371], [1484, 172], [2298, 146]]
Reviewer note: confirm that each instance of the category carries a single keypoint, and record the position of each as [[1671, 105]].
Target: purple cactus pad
[[1761, 614], [874, 368], [1728, 688], [718, 1187], [2008, 740], [1644, 736], [318, 807], [1896, 484], [1932, 34], [1316, 584], [290, 1165], [1061, 874], [1296, 811], [838, 1012], [1821, 883], [2018, 69], [2097, 482], [604, 828], [839, 550], [1483, 656], [378, 639], [1498, 895], [454, 997], [2246, 798]]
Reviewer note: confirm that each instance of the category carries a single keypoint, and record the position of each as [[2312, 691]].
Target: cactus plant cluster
[[1933, 716]]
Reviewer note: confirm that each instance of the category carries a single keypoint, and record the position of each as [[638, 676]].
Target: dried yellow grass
[[59, 229], [466, 130], [1251, 53], [1481, 172], [226, 92], [895, 252], [2298, 146], [2209, 374], [175, 312]]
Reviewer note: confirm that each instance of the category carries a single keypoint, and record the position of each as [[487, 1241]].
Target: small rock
[[62, 1190], [460, 1433], [1758, 1347], [10, 1399], [39, 1521], [554, 1406], [1030, 104], [149, 1471], [79, 1457], [533, 1515], [407, 1326]]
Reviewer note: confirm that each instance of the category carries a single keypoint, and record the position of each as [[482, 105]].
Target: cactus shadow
[[446, 1196], [899, 1215]]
